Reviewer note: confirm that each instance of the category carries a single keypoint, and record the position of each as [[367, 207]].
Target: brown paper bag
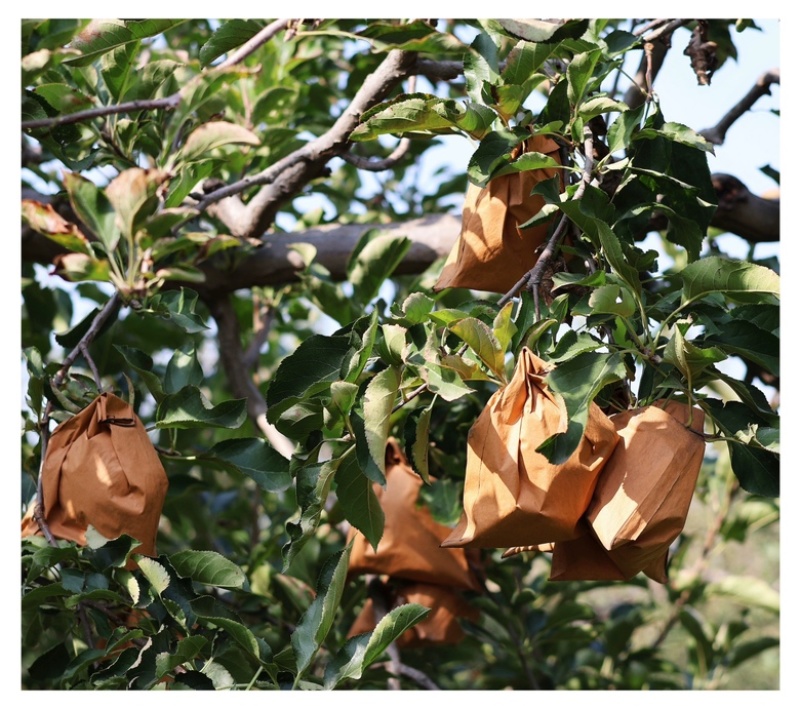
[[441, 626], [409, 547], [642, 497], [512, 495], [492, 253], [101, 469]]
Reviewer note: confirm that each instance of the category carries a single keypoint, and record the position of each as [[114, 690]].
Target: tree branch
[[716, 135], [255, 42], [300, 167], [238, 374], [741, 212], [168, 103]]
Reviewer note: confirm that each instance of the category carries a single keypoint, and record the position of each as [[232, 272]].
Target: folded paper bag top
[[492, 252], [102, 469], [642, 498], [440, 626], [409, 547], [513, 496]]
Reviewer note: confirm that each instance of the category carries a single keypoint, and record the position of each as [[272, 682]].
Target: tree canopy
[[225, 233]]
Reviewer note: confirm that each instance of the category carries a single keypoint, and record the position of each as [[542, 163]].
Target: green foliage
[[251, 589]]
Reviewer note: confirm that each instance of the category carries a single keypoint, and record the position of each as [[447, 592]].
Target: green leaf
[[142, 364], [373, 260], [210, 136], [102, 36], [417, 436], [493, 153], [579, 73], [757, 470], [183, 369], [316, 363], [189, 408], [417, 306], [363, 650], [578, 381], [184, 651], [747, 590], [527, 161], [503, 327], [318, 619], [701, 632], [482, 341], [689, 359], [444, 382], [379, 399], [738, 280], [64, 98], [679, 133], [155, 573], [358, 500], [93, 209], [208, 568], [747, 650], [255, 458], [621, 130], [240, 634], [313, 484], [751, 343], [229, 35]]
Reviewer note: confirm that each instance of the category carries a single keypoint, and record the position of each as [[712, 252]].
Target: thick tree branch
[[288, 176], [716, 135], [741, 212]]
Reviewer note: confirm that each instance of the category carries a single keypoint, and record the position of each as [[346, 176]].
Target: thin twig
[[82, 346], [409, 671], [716, 135], [255, 42], [167, 103], [555, 240], [365, 163]]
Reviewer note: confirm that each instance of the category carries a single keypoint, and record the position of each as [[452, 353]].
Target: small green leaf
[[184, 651], [154, 572], [143, 365], [482, 341], [374, 259], [444, 382], [101, 36], [689, 359], [358, 500], [379, 399], [578, 381], [318, 619], [132, 194], [316, 363], [255, 458], [363, 650], [189, 408], [208, 568], [210, 136], [231, 34], [183, 369], [417, 435]]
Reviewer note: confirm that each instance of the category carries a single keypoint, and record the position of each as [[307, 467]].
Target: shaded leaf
[[208, 568], [358, 500], [379, 399], [255, 458], [189, 408]]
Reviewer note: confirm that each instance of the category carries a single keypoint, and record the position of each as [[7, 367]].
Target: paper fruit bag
[[410, 545], [513, 496], [101, 469], [642, 498], [441, 626], [492, 253]]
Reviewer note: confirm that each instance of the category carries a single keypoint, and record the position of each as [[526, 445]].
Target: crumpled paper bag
[[101, 469], [642, 498], [441, 626], [492, 253], [513, 496], [410, 545]]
